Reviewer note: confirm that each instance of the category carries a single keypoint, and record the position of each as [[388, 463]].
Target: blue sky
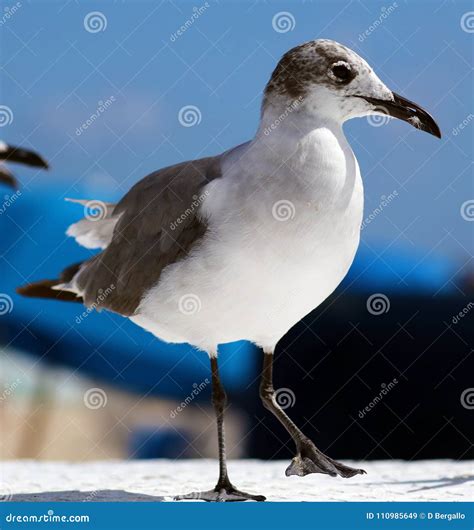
[[56, 73]]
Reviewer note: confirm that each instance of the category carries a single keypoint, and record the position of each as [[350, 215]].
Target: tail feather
[[48, 288], [95, 230]]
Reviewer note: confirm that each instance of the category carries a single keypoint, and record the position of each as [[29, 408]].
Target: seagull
[[10, 153], [243, 245]]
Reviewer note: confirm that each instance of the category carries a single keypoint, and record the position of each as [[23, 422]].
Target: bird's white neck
[[291, 125], [298, 150], [293, 131]]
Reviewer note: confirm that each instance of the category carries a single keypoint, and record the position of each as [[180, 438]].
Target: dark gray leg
[[224, 490], [308, 459]]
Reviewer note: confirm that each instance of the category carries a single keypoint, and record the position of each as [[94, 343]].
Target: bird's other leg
[[308, 459], [224, 490]]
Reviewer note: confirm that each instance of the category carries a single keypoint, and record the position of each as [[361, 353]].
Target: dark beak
[[406, 110], [22, 156]]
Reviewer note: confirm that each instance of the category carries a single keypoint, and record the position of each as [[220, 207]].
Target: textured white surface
[[155, 480]]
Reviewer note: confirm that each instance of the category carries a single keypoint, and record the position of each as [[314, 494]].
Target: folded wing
[[154, 225]]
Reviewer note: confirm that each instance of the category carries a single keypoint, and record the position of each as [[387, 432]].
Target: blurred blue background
[[54, 74], [57, 72]]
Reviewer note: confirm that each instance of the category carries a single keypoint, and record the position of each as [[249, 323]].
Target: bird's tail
[[53, 288]]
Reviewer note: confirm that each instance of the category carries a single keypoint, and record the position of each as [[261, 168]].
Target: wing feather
[[158, 224]]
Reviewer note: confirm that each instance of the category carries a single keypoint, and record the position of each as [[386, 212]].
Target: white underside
[[255, 275], [283, 228]]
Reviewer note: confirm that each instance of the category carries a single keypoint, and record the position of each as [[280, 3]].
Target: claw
[[311, 460], [220, 495], [302, 466]]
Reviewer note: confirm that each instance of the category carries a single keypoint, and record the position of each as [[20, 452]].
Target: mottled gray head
[[327, 78]]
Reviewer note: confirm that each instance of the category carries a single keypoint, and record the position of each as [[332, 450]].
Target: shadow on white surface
[[85, 496]]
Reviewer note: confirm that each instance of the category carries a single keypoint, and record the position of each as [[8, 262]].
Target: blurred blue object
[[110, 347], [396, 268], [149, 442]]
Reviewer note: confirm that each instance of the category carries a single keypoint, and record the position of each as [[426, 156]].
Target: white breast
[[281, 238]]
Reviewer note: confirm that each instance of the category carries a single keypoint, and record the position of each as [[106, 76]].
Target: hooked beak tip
[[408, 111]]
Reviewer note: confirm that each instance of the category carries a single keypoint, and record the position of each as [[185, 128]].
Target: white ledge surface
[[160, 480]]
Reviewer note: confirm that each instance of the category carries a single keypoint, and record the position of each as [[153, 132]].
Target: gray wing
[[158, 225]]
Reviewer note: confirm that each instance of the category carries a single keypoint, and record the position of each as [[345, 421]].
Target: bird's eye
[[341, 72]]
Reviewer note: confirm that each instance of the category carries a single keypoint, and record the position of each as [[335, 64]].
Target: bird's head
[[328, 79]]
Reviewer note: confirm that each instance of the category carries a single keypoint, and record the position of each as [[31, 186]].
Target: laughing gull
[[245, 244], [10, 153]]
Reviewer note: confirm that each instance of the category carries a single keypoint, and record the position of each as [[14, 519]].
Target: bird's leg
[[224, 490], [308, 459]]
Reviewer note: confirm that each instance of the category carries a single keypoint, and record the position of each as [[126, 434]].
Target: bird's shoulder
[[171, 187]]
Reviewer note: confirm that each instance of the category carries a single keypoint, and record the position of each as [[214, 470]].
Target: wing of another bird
[[9, 153], [157, 225], [7, 177]]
